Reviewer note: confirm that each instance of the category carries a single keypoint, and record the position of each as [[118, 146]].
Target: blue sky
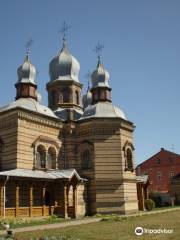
[[142, 55]]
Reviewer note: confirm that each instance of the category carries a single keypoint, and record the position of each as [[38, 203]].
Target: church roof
[[63, 113], [103, 109], [51, 174], [29, 104]]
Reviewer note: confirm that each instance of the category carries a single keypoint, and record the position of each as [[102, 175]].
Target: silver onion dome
[[100, 76], [27, 72], [87, 99], [64, 66]]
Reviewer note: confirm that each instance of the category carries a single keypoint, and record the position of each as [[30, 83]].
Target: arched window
[[77, 98], [51, 158], [129, 159], [66, 96], [86, 159], [60, 98], [41, 157]]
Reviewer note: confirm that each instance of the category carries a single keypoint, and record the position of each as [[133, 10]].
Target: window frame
[[41, 157], [77, 97], [159, 176], [51, 152], [86, 159]]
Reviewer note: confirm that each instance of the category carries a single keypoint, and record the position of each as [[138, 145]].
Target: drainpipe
[[4, 212]]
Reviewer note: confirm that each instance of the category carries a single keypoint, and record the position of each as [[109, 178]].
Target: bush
[[158, 201], [149, 204], [161, 199]]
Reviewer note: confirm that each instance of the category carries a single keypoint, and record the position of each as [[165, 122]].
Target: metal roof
[[27, 72], [103, 109], [100, 76], [63, 113], [29, 104], [39, 174]]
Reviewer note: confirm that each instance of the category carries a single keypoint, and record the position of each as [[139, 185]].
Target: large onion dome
[[64, 66], [27, 72], [100, 76]]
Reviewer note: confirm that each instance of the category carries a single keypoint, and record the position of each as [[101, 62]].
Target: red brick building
[[161, 168]]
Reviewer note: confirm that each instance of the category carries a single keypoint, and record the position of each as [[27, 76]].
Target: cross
[[64, 30], [28, 46], [98, 50]]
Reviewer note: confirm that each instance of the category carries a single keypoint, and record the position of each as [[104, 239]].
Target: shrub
[[158, 201], [149, 204]]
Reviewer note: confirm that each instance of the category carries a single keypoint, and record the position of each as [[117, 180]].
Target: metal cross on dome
[[64, 30], [28, 46], [98, 50]]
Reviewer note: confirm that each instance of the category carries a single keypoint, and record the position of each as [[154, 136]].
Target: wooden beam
[[31, 201], [55, 195], [65, 213], [1, 200], [17, 202], [75, 200], [43, 200]]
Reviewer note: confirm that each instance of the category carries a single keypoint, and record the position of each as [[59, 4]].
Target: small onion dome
[[100, 76], [27, 72], [64, 66], [87, 99], [39, 97]]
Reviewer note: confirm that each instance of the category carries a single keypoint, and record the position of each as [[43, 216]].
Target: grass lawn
[[116, 229], [25, 222]]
